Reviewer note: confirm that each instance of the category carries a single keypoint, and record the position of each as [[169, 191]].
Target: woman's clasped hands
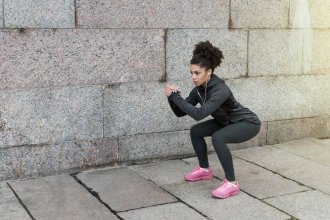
[[171, 88]]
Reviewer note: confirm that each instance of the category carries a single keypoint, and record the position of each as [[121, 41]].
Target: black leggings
[[221, 135]]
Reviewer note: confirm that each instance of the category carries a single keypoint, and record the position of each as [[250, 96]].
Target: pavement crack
[[95, 194], [21, 202], [262, 201], [148, 206], [179, 200], [285, 177], [271, 197]]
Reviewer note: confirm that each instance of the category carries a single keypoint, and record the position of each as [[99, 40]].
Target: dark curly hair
[[206, 55]]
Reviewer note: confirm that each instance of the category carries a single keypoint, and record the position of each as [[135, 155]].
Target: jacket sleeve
[[218, 96], [191, 99]]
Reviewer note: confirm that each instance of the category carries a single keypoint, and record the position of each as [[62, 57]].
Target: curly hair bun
[[208, 51]]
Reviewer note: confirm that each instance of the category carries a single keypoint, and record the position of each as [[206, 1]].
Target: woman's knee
[[217, 139], [195, 130]]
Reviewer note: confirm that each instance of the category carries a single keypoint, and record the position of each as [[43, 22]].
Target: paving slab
[[242, 206], [273, 158], [302, 170], [304, 205], [10, 208], [310, 148], [59, 197], [165, 172], [255, 180], [173, 211], [315, 175], [326, 141], [124, 189]]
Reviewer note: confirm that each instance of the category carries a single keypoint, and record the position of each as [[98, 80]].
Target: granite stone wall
[[81, 82]]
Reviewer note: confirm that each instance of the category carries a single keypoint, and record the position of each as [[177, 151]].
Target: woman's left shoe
[[226, 189]]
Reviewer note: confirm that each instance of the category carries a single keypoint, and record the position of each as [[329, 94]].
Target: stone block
[[10, 207], [304, 206], [153, 14], [155, 145], [50, 115], [309, 14], [275, 52], [181, 43], [109, 186], [260, 14], [284, 97], [198, 195], [39, 14], [40, 160], [173, 211], [138, 108], [79, 56], [316, 56], [1, 15], [286, 130], [59, 197]]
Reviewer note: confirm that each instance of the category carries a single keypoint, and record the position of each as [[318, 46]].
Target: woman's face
[[199, 74]]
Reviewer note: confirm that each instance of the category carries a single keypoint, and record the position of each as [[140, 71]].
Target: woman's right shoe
[[226, 189], [199, 174]]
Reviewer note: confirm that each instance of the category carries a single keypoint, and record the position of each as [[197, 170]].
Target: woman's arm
[[218, 96], [191, 99]]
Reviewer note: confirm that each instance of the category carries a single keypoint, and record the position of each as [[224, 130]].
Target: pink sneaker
[[199, 174], [226, 189]]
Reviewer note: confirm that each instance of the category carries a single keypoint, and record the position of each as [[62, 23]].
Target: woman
[[231, 123]]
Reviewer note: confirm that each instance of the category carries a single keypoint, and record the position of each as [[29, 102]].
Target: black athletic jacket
[[220, 104]]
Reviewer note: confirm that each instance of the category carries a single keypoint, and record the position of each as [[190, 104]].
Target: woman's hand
[[171, 88]]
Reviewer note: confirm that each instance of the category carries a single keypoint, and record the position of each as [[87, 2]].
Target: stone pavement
[[284, 181]]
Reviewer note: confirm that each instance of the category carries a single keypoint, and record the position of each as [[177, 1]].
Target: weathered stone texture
[[60, 197], [275, 52], [138, 193], [138, 108], [46, 58], [155, 145], [284, 97], [260, 14], [281, 131], [31, 161], [181, 43], [309, 14], [39, 14], [153, 14], [50, 115], [10, 208], [173, 211], [316, 51], [1, 14]]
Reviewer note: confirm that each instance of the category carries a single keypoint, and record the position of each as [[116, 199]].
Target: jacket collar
[[214, 79]]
